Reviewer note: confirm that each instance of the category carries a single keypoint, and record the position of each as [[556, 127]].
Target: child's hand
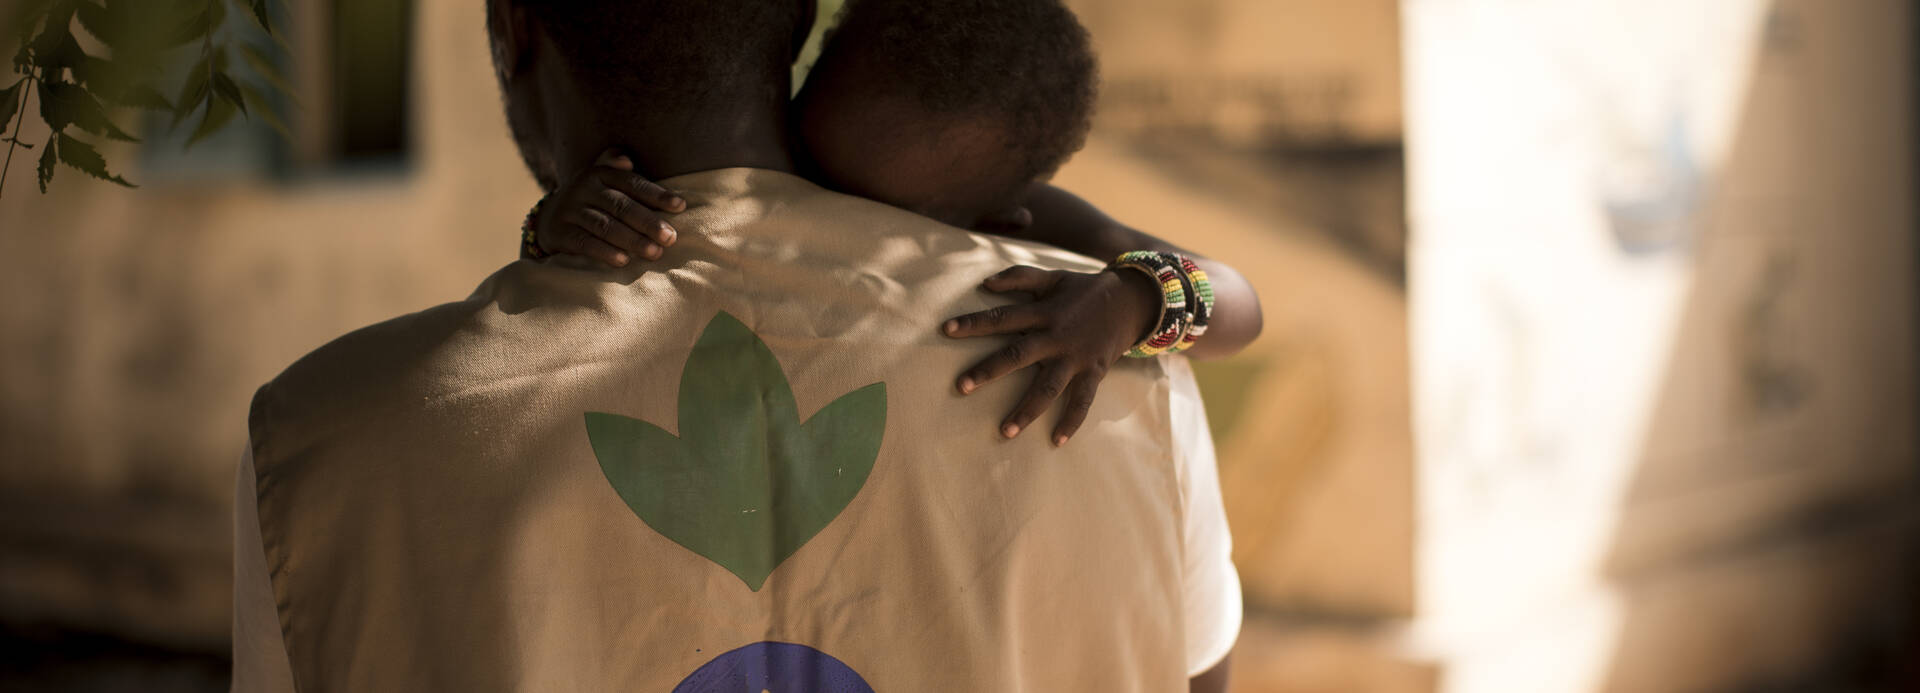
[[1078, 325], [607, 213]]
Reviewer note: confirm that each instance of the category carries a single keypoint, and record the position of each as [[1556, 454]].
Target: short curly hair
[[1025, 65], [671, 55]]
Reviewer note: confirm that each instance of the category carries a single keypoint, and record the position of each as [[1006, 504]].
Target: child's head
[[949, 108]]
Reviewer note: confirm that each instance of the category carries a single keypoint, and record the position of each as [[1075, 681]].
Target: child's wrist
[[1147, 302]]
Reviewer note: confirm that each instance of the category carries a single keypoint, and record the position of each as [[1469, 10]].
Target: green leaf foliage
[[194, 28], [193, 92], [143, 38], [745, 483], [10, 102], [259, 8], [134, 28], [46, 162], [62, 52], [65, 103], [142, 96], [218, 113], [264, 107], [263, 66], [82, 157], [102, 24], [55, 30], [224, 87]]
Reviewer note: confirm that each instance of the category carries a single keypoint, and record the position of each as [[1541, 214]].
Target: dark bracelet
[[529, 244]]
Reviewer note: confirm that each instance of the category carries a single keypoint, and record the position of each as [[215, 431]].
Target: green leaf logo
[[746, 483]]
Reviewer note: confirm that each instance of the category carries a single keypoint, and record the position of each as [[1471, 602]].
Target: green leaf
[[65, 103], [218, 113], [263, 65], [134, 28], [24, 15], [62, 52], [82, 157], [56, 30], [112, 80], [46, 162], [746, 483], [99, 22], [259, 8], [10, 103], [217, 9], [195, 28], [226, 89], [264, 107], [143, 96], [194, 93]]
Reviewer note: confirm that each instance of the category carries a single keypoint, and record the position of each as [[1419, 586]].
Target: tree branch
[[18, 122]]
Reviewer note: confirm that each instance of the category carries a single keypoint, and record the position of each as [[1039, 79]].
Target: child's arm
[[1080, 323], [607, 212], [1062, 220]]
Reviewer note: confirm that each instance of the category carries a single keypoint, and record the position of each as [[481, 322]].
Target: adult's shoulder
[[358, 377]]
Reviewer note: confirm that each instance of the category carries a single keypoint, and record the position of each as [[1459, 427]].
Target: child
[[957, 110]]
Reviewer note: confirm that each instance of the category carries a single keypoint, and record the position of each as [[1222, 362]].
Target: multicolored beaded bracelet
[[1202, 303], [1175, 317], [1186, 306], [529, 244]]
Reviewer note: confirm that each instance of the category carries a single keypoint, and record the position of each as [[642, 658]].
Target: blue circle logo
[[774, 667]]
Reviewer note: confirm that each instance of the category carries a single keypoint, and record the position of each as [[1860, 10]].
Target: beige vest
[[519, 491]]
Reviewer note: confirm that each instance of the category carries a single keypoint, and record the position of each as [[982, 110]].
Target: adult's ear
[[511, 32], [809, 14]]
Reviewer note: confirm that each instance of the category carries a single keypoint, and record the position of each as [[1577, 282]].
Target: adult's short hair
[[671, 55]]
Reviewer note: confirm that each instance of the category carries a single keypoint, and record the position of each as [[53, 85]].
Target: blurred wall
[[1215, 117], [134, 326], [1663, 289], [1267, 133], [1250, 71]]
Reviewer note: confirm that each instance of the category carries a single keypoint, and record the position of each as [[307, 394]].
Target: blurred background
[[1589, 360]]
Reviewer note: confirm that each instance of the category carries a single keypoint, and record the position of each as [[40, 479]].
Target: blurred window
[[348, 64], [371, 68]]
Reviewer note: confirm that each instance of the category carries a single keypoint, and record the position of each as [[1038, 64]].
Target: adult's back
[[743, 465]]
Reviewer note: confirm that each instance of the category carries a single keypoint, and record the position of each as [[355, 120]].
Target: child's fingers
[[1079, 402], [614, 159], [1049, 380], [1021, 278], [571, 239], [611, 232], [1019, 317], [645, 191], [641, 220], [1023, 352]]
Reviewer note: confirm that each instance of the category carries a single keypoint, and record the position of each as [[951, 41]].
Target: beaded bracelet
[[529, 244], [1175, 317], [1202, 304]]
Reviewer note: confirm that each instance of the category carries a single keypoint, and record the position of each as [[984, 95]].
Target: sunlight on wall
[[1557, 153]]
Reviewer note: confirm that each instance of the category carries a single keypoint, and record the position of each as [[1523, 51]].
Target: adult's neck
[[666, 145]]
